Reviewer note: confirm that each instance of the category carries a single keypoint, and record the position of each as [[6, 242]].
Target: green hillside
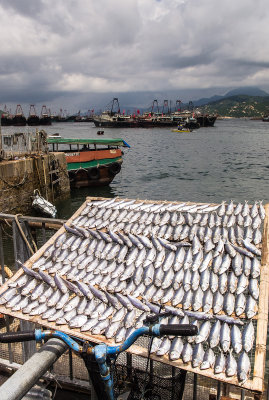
[[239, 106]]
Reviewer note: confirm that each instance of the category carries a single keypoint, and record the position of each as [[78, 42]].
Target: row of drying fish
[[108, 312], [220, 209], [204, 359], [91, 254], [235, 234], [103, 216]]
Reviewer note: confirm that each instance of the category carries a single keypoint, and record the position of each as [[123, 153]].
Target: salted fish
[[208, 360], [231, 365]]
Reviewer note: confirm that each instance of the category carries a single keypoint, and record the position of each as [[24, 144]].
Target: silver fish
[[214, 336], [187, 352], [229, 303], [223, 283], [89, 324], [208, 360], [149, 272], [129, 319], [48, 313], [195, 280], [187, 280], [206, 262], [236, 339], [255, 268], [216, 263], [72, 303], [208, 301], [155, 344], [232, 282], [197, 300], [242, 284], [197, 260], [169, 260], [237, 264], [226, 261], [138, 304], [168, 295], [82, 305], [248, 337], [178, 297], [168, 278], [30, 307], [229, 320], [231, 365], [30, 285], [176, 348], [225, 337], [120, 335], [58, 315], [40, 309], [244, 367], [62, 301], [240, 304], [21, 304], [78, 321], [38, 291], [112, 329], [214, 282], [218, 302], [219, 364], [100, 327], [198, 355], [204, 280], [251, 247], [251, 307], [204, 332]]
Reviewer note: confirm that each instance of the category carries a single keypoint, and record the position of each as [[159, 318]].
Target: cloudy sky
[[79, 54]]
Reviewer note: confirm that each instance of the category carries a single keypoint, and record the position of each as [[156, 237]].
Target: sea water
[[224, 162]]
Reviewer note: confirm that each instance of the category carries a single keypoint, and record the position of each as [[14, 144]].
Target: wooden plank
[[261, 338]]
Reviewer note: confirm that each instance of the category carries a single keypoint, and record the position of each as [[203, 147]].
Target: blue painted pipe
[[41, 335], [144, 330]]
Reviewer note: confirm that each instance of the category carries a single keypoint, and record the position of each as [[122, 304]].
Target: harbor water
[[224, 162]]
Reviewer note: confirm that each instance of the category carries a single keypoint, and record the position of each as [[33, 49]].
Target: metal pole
[[29, 373]]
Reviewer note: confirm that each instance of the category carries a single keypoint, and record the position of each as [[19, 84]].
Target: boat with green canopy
[[90, 162]]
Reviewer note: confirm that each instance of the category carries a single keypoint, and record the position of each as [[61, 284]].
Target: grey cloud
[[78, 51]]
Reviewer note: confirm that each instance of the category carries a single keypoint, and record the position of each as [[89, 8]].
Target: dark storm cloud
[[77, 51]]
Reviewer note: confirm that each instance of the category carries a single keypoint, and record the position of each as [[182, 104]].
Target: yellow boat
[[182, 130]]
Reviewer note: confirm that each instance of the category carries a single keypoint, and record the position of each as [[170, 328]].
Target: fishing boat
[[90, 162], [45, 118], [19, 118], [33, 118]]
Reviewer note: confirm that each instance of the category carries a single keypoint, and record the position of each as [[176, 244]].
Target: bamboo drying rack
[[255, 384]]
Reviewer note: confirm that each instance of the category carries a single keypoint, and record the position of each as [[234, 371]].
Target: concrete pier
[[20, 177]]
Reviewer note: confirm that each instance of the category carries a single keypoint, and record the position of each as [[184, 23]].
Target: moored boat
[[6, 117], [45, 118], [90, 162], [33, 118], [19, 118]]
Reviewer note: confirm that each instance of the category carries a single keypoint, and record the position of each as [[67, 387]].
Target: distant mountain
[[249, 91], [238, 106]]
